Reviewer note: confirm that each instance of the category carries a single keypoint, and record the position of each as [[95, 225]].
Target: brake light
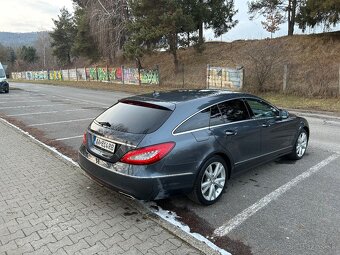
[[84, 138], [148, 155]]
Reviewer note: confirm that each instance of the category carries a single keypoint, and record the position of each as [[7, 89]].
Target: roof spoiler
[[144, 102]]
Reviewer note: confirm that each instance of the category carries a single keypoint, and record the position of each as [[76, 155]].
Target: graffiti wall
[[115, 74], [131, 76], [224, 78], [149, 76], [103, 74]]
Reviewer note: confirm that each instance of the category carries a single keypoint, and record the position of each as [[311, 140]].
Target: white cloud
[[30, 15]]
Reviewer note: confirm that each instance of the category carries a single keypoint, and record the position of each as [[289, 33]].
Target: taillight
[[148, 155], [84, 139]]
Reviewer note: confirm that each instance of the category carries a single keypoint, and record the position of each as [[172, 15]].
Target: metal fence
[[123, 75]]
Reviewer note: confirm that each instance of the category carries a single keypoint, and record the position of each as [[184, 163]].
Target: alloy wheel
[[213, 181]]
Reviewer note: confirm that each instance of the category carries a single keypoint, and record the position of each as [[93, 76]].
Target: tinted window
[[261, 109], [136, 119], [2, 73], [216, 116], [233, 110], [199, 120]]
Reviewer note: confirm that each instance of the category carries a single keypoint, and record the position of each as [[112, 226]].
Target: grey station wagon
[[191, 141]]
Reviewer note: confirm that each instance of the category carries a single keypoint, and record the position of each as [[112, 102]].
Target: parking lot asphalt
[[283, 207]]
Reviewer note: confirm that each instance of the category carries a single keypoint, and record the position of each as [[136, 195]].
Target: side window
[[261, 109], [233, 110], [199, 120], [215, 116]]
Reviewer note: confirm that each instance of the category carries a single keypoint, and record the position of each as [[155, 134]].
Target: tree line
[[29, 57]]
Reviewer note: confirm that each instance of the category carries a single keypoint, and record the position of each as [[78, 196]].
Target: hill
[[312, 62], [18, 39]]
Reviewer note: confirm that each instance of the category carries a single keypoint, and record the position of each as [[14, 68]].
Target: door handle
[[230, 132], [266, 124]]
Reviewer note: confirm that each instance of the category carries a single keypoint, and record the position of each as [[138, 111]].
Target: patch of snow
[[172, 218]]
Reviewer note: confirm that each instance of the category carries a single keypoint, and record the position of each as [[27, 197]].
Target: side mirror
[[284, 114]]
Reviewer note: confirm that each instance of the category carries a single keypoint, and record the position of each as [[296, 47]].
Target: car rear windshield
[[134, 117]]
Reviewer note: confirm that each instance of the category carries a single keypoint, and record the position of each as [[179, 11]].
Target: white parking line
[[68, 138], [23, 101], [30, 106], [37, 113], [59, 122], [228, 226], [87, 101]]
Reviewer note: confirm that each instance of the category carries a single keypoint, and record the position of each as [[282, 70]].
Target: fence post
[[139, 79], [107, 74], [122, 67], [285, 74]]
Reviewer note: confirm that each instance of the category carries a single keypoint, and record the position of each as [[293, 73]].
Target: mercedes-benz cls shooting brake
[[156, 145]]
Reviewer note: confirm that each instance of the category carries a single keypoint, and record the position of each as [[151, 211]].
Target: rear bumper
[[140, 187]]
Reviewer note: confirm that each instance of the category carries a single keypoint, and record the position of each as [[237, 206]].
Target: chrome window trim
[[111, 140], [211, 127], [243, 161], [199, 129], [132, 176]]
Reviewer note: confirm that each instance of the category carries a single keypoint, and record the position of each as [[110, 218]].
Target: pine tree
[[84, 44], [315, 12], [29, 54], [63, 37]]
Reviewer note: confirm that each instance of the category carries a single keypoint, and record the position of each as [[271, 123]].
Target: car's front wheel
[[210, 182], [300, 146]]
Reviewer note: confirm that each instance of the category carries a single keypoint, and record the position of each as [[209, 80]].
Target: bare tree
[[264, 59], [107, 20]]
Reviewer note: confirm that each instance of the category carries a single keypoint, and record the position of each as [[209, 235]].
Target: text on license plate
[[104, 144]]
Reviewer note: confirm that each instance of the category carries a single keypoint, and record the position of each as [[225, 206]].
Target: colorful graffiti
[[131, 76], [149, 76], [102, 74], [106, 74], [115, 74], [55, 75]]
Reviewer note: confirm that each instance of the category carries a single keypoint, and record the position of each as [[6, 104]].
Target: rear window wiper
[[103, 123]]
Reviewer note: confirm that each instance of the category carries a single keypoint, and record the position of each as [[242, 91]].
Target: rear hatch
[[124, 125]]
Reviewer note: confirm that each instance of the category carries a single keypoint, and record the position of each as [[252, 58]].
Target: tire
[[7, 91], [300, 146], [210, 182]]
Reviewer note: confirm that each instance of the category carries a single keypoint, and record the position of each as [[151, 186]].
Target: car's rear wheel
[[7, 90], [300, 146], [211, 181]]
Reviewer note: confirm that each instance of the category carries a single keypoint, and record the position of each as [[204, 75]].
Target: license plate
[[101, 143]]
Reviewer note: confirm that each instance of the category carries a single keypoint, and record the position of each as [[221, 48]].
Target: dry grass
[[313, 63], [304, 103]]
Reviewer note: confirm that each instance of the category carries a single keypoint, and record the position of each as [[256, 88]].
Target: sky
[[37, 15]]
